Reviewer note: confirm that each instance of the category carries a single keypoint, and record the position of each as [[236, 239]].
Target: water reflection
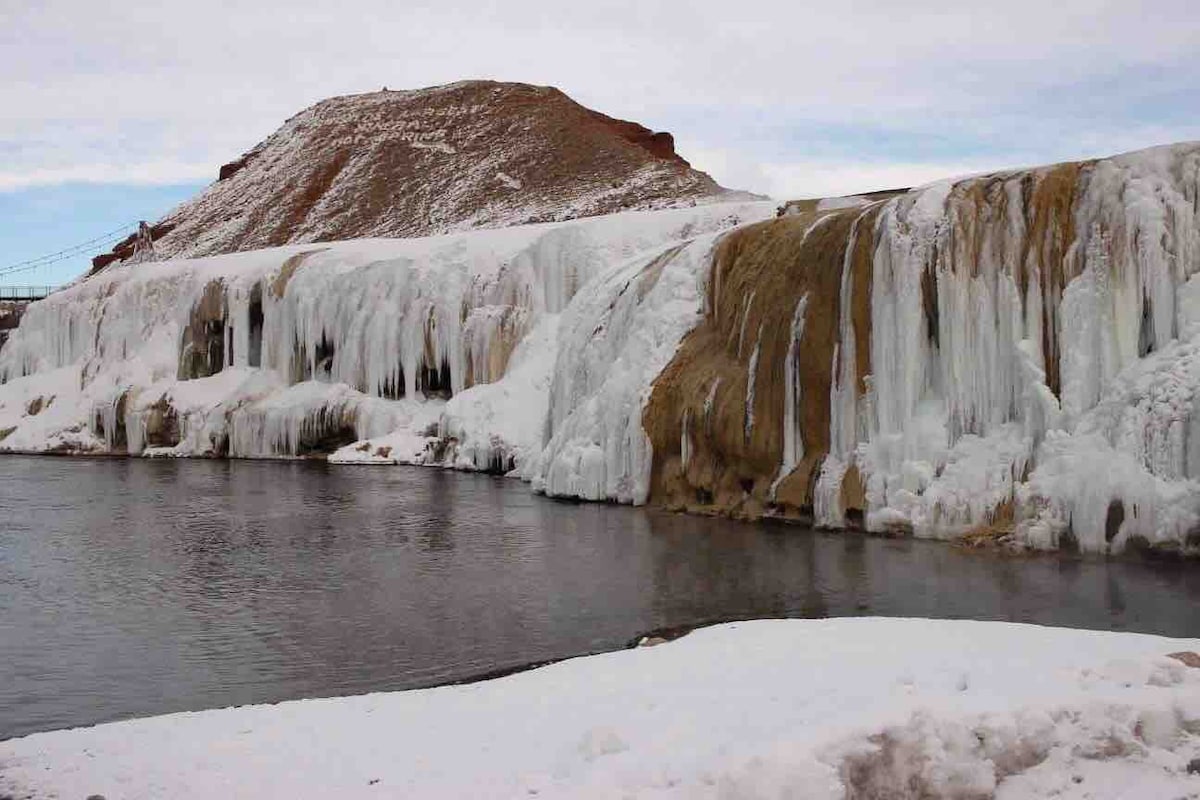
[[137, 587]]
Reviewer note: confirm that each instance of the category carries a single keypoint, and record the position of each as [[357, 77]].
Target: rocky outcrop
[[139, 242], [11, 312], [476, 154]]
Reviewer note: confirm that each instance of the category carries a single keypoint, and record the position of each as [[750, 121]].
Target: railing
[[25, 292]]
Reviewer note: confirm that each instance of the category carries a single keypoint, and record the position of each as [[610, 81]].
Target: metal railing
[[25, 292]]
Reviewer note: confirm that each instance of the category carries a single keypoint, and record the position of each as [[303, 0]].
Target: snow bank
[[773, 708]]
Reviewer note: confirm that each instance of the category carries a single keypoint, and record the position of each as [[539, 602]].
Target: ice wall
[[614, 342], [434, 350], [1009, 358], [958, 410]]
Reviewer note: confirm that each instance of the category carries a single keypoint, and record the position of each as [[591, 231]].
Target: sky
[[114, 112]]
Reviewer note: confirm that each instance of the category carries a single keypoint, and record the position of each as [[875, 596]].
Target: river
[[134, 587]]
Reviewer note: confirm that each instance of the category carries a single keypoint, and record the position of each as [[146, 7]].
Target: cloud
[[136, 89], [143, 173], [789, 180]]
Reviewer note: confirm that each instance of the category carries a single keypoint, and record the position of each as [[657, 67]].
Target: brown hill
[[475, 154]]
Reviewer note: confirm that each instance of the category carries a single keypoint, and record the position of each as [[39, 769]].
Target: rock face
[[10, 317], [476, 154]]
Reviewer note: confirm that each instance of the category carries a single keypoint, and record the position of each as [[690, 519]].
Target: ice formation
[[616, 340], [1011, 357], [793, 436], [1008, 357], [751, 380], [432, 350], [958, 409]]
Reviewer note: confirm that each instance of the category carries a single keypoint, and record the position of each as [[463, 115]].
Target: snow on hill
[[475, 154], [820, 709]]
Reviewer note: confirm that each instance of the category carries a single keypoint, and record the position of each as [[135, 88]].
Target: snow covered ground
[[862, 707]]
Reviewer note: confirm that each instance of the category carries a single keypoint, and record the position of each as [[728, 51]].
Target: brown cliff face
[[811, 350], [475, 154], [760, 274]]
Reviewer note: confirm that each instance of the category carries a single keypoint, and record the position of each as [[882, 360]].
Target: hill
[[474, 154]]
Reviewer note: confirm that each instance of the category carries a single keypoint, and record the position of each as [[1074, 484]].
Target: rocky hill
[[475, 154]]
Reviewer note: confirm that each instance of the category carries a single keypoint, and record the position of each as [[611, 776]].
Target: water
[[132, 587]]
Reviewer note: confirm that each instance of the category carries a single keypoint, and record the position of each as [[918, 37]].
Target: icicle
[[843, 400], [745, 320], [616, 338], [710, 402], [751, 380], [793, 438], [685, 438]]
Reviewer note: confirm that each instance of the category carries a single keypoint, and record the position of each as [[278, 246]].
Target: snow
[[441, 147], [508, 180], [770, 708], [835, 203]]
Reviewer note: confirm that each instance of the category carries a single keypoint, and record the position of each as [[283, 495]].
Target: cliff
[[475, 154], [1013, 356]]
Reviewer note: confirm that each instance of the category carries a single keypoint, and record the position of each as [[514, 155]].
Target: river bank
[[771, 708]]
